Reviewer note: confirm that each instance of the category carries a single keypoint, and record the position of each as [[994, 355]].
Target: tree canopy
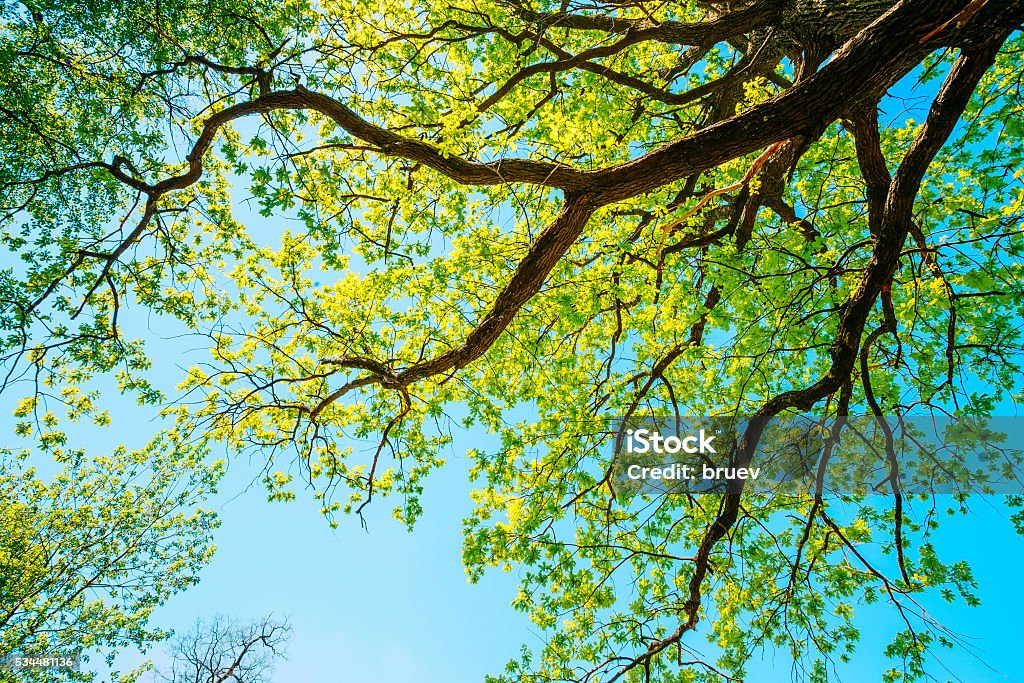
[[535, 219], [88, 553]]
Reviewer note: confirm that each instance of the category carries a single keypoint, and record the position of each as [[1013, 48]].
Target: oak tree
[[537, 218]]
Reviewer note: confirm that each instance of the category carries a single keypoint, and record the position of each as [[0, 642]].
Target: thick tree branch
[[672, 32]]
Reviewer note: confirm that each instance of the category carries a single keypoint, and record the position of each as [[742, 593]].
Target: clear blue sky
[[387, 605], [391, 606]]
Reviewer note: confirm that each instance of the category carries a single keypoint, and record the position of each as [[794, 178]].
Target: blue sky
[[387, 605], [383, 604]]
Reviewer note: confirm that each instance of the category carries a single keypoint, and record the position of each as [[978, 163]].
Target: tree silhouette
[[223, 650]]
